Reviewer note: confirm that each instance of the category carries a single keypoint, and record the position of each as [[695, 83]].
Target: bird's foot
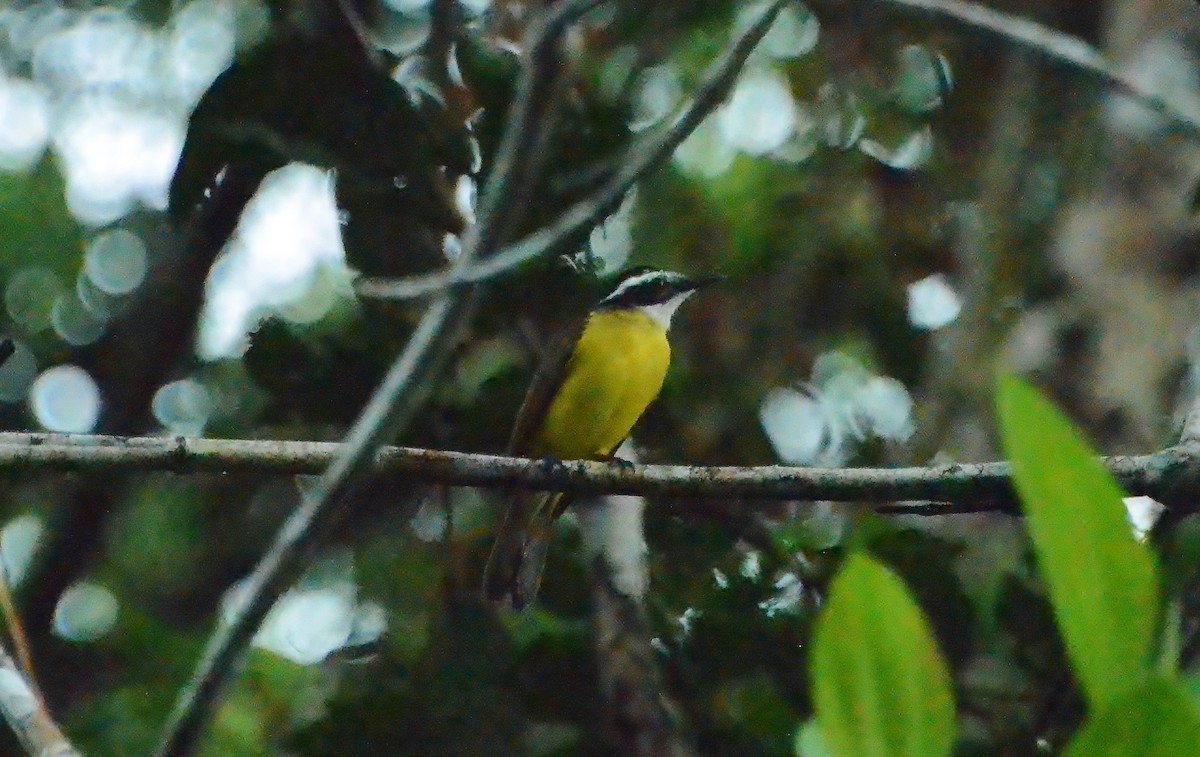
[[623, 465], [552, 464]]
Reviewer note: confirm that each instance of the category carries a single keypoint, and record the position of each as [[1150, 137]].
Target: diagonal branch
[[1057, 46], [643, 157], [27, 715], [20, 702], [404, 389], [1170, 475], [1039, 38]]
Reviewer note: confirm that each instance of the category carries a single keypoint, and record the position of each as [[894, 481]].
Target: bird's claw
[[552, 464], [621, 464]]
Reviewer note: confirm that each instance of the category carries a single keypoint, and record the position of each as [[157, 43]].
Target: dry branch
[[27, 715], [1168, 475], [404, 389], [641, 158], [1056, 46]]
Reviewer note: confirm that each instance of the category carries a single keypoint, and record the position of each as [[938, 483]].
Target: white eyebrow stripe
[[632, 282], [668, 278]]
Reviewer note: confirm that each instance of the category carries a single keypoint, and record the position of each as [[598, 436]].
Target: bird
[[592, 386]]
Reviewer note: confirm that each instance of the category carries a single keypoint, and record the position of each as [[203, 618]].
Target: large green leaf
[[1102, 581], [879, 685], [1156, 719]]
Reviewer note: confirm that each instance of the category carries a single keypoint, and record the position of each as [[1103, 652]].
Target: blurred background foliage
[[902, 207]]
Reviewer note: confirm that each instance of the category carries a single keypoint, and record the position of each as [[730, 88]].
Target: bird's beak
[[703, 282]]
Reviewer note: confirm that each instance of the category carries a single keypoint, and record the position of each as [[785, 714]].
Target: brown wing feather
[[505, 574], [551, 371]]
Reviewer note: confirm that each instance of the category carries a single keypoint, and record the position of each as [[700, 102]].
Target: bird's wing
[[553, 369], [500, 578]]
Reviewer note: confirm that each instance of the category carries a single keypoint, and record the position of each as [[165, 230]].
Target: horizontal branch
[[957, 487]]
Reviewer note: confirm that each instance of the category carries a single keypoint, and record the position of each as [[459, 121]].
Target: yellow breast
[[615, 372]]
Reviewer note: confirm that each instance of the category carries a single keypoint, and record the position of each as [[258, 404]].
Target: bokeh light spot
[[886, 407], [805, 138], [760, 115], [932, 303], [24, 123], [103, 48], [794, 33], [65, 398], [611, 242], [288, 232], [407, 6], [319, 616], [1143, 513], [200, 45], [839, 117], [658, 92], [115, 154], [842, 405], [183, 406], [86, 612], [794, 425], [100, 304], [115, 261], [74, 322], [705, 153], [29, 297], [19, 542]]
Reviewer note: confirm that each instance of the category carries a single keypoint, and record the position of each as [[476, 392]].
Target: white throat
[[662, 312]]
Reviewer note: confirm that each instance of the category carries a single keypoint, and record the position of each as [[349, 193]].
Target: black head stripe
[[644, 286]]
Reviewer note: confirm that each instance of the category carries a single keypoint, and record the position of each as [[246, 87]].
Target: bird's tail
[[514, 569]]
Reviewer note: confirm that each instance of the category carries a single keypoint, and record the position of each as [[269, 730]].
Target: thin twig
[[1057, 46], [15, 628], [362, 35], [387, 411], [12, 618], [27, 715], [643, 157], [444, 24], [406, 387], [521, 153], [1168, 475]]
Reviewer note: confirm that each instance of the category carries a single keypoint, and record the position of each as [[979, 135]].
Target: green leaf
[[1155, 719], [879, 685], [1102, 581], [1190, 684]]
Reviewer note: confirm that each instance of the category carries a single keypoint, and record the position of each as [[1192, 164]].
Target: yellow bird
[[593, 385]]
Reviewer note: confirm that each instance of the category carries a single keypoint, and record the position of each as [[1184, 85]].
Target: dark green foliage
[[321, 99], [818, 254], [452, 701]]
